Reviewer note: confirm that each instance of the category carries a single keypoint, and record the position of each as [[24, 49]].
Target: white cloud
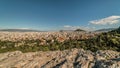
[[68, 27], [107, 21]]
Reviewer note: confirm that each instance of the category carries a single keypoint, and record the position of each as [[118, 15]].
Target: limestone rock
[[74, 58]]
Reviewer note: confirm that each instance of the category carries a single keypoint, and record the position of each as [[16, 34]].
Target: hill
[[105, 30], [117, 30], [79, 30]]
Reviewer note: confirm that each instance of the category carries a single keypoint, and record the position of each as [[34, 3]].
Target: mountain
[[105, 30], [116, 30], [20, 30], [77, 30]]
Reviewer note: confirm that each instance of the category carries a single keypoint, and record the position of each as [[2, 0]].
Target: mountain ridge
[[20, 30], [105, 29]]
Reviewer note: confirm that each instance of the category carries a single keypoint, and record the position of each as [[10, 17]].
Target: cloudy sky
[[59, 14]]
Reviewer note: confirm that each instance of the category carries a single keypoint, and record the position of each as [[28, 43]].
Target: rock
[[74, 58], [108, 64]]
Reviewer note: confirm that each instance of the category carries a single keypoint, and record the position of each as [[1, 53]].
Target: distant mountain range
[[77, 30], [80, 30], [20, 30], [32, 30], [105, 30]]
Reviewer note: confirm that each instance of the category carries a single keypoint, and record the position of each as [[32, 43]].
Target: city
[[59, 33]]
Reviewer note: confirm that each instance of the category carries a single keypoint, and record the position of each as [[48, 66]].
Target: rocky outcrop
[[74, 58]]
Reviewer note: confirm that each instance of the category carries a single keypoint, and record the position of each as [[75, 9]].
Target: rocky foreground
[[75, 58]]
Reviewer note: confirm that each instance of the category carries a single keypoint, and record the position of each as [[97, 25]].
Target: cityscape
[[59, 34]]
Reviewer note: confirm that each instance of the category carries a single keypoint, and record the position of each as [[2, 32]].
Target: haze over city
[[59, 14]]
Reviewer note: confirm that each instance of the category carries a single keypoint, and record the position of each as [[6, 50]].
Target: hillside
[[116, 31], [105, 41]]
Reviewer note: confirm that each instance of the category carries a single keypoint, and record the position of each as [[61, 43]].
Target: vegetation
[[105, 41]]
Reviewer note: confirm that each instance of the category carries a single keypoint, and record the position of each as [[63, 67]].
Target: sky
[[59, 14]]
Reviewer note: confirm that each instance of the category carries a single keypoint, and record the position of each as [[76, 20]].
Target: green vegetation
[[104, 41]]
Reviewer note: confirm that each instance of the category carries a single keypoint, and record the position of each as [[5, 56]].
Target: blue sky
[[59, 14]]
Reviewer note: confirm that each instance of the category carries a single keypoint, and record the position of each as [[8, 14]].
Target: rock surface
[[74, 58]]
